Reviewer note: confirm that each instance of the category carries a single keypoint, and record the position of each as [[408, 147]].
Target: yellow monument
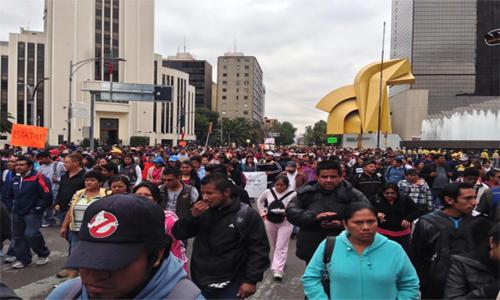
[[354, 108]]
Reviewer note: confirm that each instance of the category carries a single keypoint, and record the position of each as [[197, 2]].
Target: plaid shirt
[[420, 192]]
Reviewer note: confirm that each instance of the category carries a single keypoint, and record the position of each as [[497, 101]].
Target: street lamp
[[33, 90], [73, 67]]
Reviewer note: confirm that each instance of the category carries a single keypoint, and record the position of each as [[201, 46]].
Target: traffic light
[[163, 93]]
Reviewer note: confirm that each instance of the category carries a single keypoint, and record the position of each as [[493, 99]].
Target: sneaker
[[9, 259], [45, 225], [18, 265], [278, 276], [42, 261], [64, 273]]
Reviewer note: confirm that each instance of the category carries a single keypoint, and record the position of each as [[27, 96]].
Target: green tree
[[203, 118], [286, 133], [6, 123], [316, 134]]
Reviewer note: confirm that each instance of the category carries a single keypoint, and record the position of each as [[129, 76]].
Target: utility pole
[[380, 89]]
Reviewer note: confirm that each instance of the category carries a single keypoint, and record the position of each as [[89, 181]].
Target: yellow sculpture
[[354, 108]]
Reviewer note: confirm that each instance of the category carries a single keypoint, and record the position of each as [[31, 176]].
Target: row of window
[[246, 82], [236, 113], [237, 74], [247, 67]]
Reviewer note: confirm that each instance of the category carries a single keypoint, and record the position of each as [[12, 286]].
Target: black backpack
[[276, 210]]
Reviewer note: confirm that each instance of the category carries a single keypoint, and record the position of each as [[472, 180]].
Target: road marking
[[39, 288]]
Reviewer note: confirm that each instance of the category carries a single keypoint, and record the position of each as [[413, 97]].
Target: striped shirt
[[79, 209]]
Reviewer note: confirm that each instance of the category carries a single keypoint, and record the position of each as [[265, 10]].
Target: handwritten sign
[[28, 136], [256, 183]]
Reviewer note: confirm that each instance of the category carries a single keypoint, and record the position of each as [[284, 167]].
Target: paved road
[[35, 282]]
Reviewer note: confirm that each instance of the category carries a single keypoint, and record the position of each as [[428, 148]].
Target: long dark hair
[[155, 191]]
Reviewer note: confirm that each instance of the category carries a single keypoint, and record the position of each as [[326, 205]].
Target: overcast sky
[[306, 48]]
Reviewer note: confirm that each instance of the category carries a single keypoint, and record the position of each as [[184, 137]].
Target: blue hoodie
[[170, 273], [383, 271]]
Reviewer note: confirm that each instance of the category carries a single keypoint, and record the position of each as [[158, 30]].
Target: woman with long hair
[[152, 193], [189, 175]]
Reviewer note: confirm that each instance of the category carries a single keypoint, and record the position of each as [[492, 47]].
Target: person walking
[[363, 264], [230, 251], [124, 253], [177, 196], [28, 197], [317, 209], [370, 181], [130, 169], [443, 233], [271, 205], [476, 275], [418, 190], [296, 179], [395, 214], [81, 200]]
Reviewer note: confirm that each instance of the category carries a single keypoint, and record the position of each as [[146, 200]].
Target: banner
[[256, 183], [28, 136]]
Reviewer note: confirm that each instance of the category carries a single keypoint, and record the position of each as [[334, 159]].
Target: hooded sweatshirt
[[158, 287], [383, 271]]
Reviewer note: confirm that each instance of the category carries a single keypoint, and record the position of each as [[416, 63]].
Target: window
[[237, 97], [224, 82], [247, 67], [245, 112], [224, 97], [224, 90], [245, 97], [246, 74], [224, 74], [224, 67], [237, 82], [237, 74], [237, 90]]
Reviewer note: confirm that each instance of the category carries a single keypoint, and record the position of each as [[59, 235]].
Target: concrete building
[[408, 109], [174, 120], [214, 97], [78, 41], [444, 41], [200, 75], [240, 87]]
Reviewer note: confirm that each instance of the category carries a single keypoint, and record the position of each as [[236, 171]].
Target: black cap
[[115, 230]]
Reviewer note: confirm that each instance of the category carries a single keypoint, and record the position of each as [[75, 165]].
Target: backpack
[[327, 256], [276, 210], [495, 196], [242, 222]]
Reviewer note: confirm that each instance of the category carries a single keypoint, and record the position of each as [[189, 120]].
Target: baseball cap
[[115, 230], [173, 158], [271, 153], [158, 160]]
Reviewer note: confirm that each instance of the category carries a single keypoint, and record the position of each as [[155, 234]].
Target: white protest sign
[[256, 183]]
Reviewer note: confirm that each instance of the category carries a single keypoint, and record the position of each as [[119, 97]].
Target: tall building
[[444, 40], [240, 87], [78, 40], [200, 75]]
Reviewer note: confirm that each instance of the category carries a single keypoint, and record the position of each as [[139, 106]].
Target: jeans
[[26, 231], [72, 239], [49, 217], [227, 293], [436, 198], [279, 236]]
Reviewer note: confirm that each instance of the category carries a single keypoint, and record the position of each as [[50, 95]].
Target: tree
[[5, 123], [286, 133], [316, 134], [203, 118]]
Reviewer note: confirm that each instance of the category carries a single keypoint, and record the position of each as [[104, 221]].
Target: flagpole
[[380, 89]]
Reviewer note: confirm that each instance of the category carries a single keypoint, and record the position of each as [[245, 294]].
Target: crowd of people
[[369, 223]]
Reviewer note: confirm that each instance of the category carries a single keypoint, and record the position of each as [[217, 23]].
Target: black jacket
[[472, 276], [219, 253], [68, 187], [312, 200], [434, 241], [403, 209], [426, 171], [370, 186]]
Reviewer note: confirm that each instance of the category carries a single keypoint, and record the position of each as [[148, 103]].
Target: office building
[[240, 87], [78, 40], [444, 40], [200, 75]]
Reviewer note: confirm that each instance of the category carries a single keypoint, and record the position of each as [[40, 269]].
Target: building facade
[[444, 40], [95, 40], [240, 87], [200, 75]]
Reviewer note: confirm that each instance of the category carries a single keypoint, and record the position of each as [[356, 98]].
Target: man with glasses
[[28, 196]]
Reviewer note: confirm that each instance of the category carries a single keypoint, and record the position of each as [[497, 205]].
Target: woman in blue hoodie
[[364, 264]]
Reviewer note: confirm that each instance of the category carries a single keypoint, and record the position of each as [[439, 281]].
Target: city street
[[35, 282]]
